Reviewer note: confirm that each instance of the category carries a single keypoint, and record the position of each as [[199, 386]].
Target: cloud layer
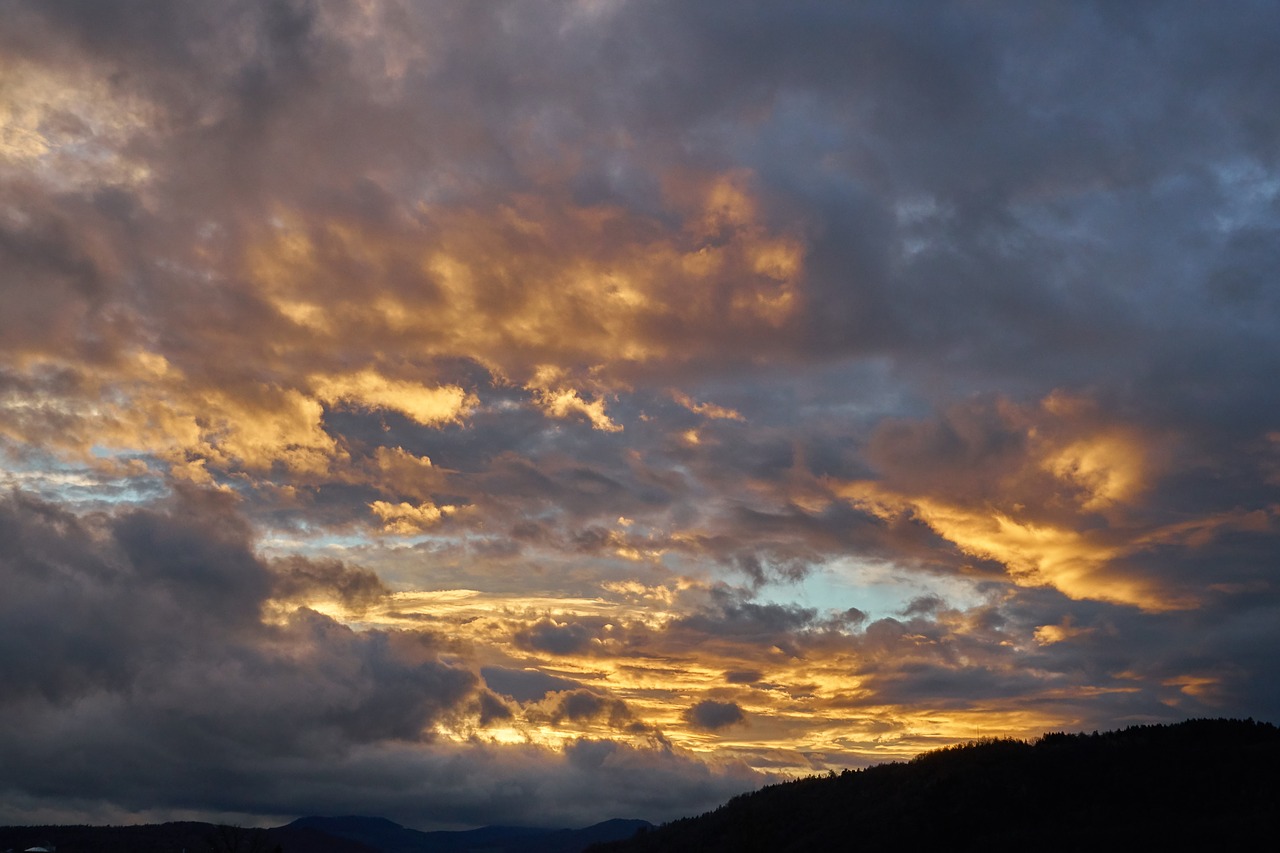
[[558, 411]]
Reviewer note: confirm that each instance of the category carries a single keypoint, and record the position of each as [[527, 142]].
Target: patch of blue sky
[[313, 542], [80, 486], [878, 589]]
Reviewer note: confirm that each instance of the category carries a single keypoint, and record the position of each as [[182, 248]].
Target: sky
[[544, 412]]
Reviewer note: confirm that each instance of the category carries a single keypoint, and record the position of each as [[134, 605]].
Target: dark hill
[[311, 835], [1202, 784], [178, 837], [386, 837]]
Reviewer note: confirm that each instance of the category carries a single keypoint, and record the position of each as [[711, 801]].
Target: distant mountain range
[[311, 835], [387, 837], [1200, 785]]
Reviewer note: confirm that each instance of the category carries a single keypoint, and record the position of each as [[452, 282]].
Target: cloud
[[580, 706], [525, 685], [427, 406], [743, 676], [153, 612], [564, 402], [139, 640], [708, 410], [561, 638], [711, 715], [407, 519], [430, 382], [300, 580]]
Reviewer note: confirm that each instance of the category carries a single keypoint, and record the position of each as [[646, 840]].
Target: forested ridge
[[1208, 784]]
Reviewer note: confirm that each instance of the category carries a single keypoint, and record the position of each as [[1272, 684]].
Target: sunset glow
[[544, 412]]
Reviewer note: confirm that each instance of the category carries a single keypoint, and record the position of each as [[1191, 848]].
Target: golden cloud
[[409, 519], [565, 402], [67, 127], [707, 410], [1004, 508], [535, 280], [368, 388]]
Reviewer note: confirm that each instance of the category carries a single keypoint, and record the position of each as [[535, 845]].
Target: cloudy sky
[[542, 412]]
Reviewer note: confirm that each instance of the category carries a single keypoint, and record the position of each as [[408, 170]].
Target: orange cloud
[[564, 403], [708, 410], [537, 279], [1002, 507], [427, 406], [409, 519]]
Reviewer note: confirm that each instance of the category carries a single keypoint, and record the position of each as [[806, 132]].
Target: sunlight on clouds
[[1075, 562], [1201, 532], [591, 379], [1047, 635], [146, 406], [659, 594], [408, 519], [564, 403], [427, 406], [1109, 468], [393, 470], [272, 426], [308, 315], [1019, 484], [1198, 686], [69, 127], [560, 402], [1071, 561], [537, 281], [708, 410], [801, 711], [1108, 463]]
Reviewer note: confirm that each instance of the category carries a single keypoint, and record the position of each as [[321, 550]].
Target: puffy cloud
[[564, 402], [560, 638], [299, 579], [711, 715], [157, 618], [525, 685], [427, 406], [141, 641], [408, 519]]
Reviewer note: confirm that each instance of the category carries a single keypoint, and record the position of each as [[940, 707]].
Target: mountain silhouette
[[1202, 784], [311, 835], [388, 837]]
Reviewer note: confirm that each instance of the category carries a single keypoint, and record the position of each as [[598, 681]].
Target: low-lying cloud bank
[[142, 675]]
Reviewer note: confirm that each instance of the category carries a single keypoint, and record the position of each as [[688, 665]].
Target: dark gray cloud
[[763, 623], [297, 578], [547, 635], [743, 676], [711, 715], [525, 685], [140, 638], [583, 705], [135, 646]]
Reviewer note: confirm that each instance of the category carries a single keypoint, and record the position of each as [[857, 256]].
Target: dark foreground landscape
[[1202, 784], [310, 835], [1198, 785]]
